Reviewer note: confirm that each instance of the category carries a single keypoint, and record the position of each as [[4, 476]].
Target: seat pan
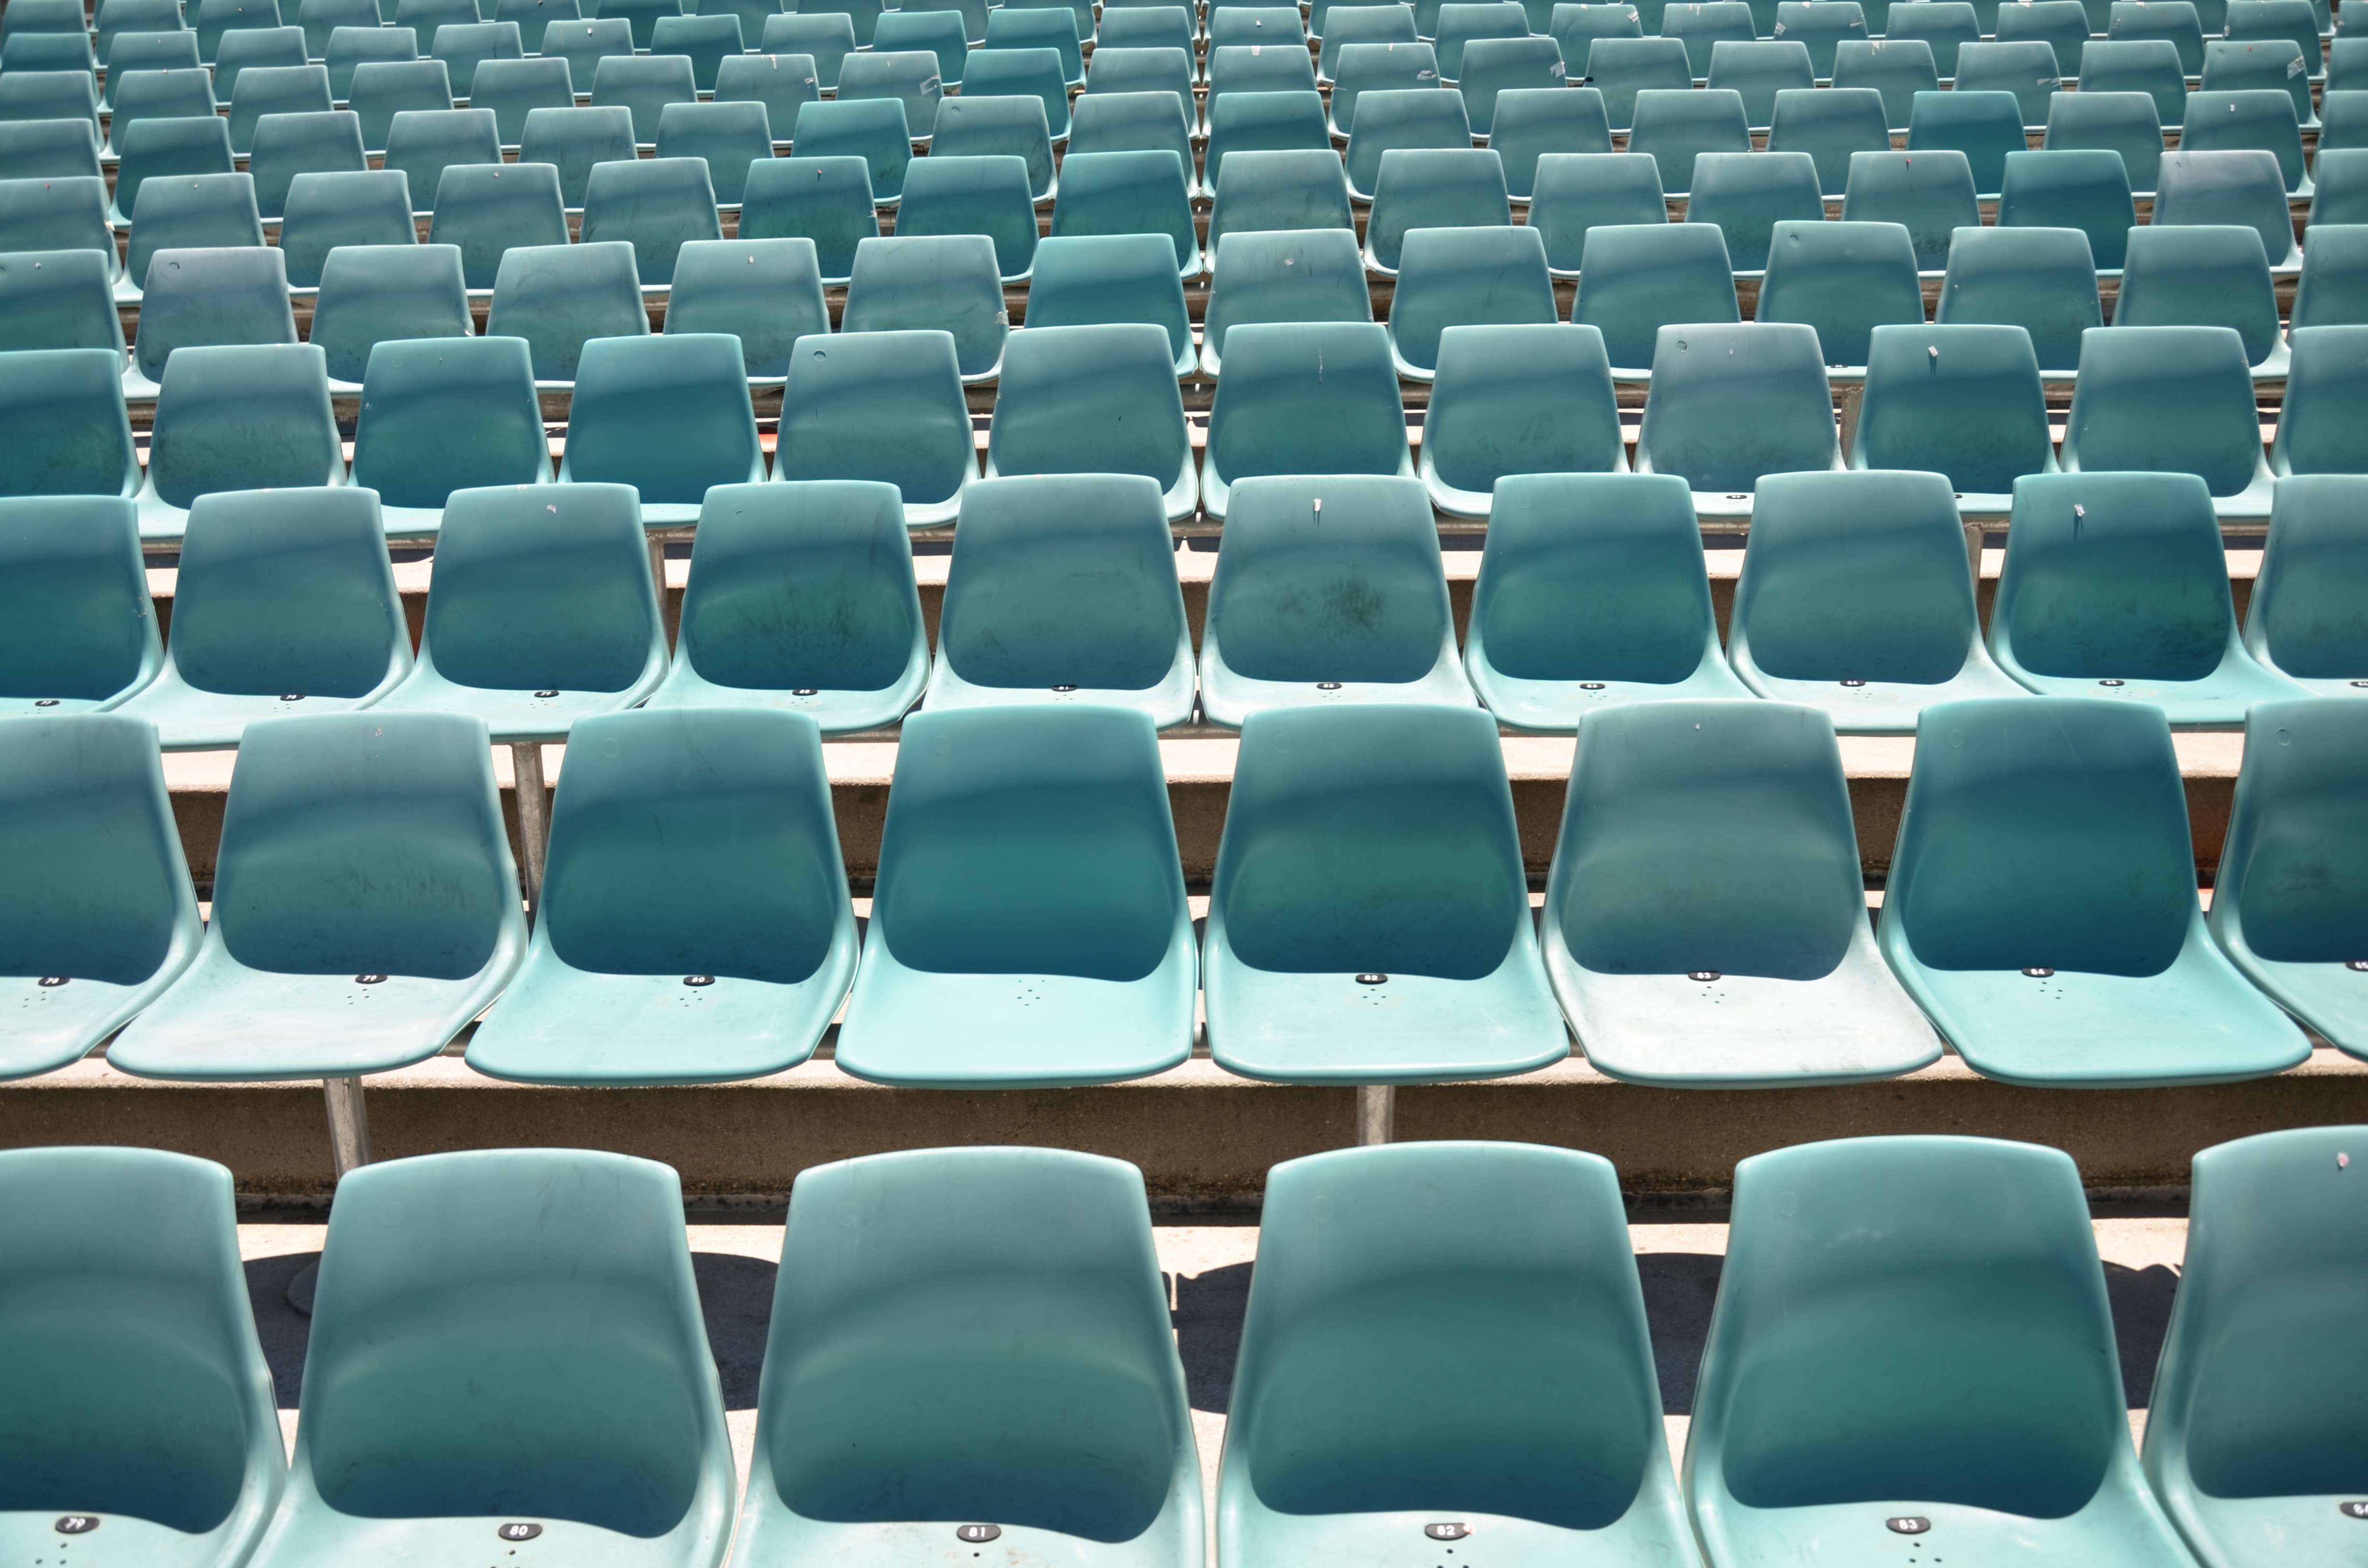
[[1458, 502], [22, 707], [1227, 698], [308, 1530], [1169, 702], [2196, 1022], [2218, 702], [1853, 1025], [838, 712], [54, 1026], [1880, 707], [1556, 707], [777, 1535], [2122, 1528], [1183, 497], [1016, 1031], [134, 1541], [1217, 488], [515, 716], [1652, 1532], [2332, 1000], [161, 522]]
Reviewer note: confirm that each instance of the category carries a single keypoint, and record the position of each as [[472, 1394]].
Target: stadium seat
[[165, 1424], [1097, 280], [690, 849], [319, 18], [49, 95], [1702, 27], [992, 72], [2088, 190], [2141, 64], [1622, 67], [1354, 66], [802, 597], [1963, 402], [1099, 400], [1308, 275], [884, 406], [1025, 1282], [191, 212], [729, 137], [2204, 274], [107, 22], [583, 44], [2333, 290], [2280, 19], [352, 48], [2173, 399], [644, 85], [1843, 280], [138, 96], [2028, 68], [464, 46], [940, 282], [872, 129], [240, 417], [2272, 64], [1633, 279], [1264, 122], [1430, 187], [1945, 30], [783, 84], [559, 297], [1056, 818], [2176, 22], [374, 294], [826, 201], [1141, 68], [1758, 69], [1982, 126], [50, 51], [969, 128], [2044, 280], [2073, 956], [2124, 123], [285, 605], [58, 299], [1929, 193], [1062, 589], [767, 293], [1830, 126], [1414, 962], [1732, 403], [668, 416], [446, 414], [424, 143], [827, 38], [541, 611], [487, 210], [1156, 27], [207, 297], [1304, 398], [1575, 193], [1578, 29], [1471, 21], [172, 150], [587, 1253], [1256, 68], [1857, 599], [1676, 127], [654, 205], [534, 17], [424, 17], [385, 89], [1747, 195], [988, 196], [48, 149], [319, 879], [290, 145], [2342, 127], [67, 213], [1011, 27], [908, 76], [1493, 67], [1897, 69], [2064, 26], [2110, 602], [707, 41], [643, 17], [79, 636], [1516, 400], [2260, 119], [1464, 277], [1965, 1265], [2229, 188], [276, 89], [1273, 192], [64, 429], [1531, 123], [259, 43], [2316, 433], [1405, 119], [41, 16]]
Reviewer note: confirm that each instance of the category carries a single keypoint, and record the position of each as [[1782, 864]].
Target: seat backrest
[[877, 406], [64, 213], [1272, 192], [655, 205], [276, 89], [465, 46], [1831, 125], [644, 83], [49, 95], [1387, 66], [1577, 193], [583, 44], [287, 590], [208, 297], [169, 152], [991, 195], [1299, 392], [511, 87], [488, 210], [1896, 68], [319, 18], [827, 38], [327, 211], [65, 431], [1267, 121], [1676, 127], [573, 139], [385, 89], [373, 294], [560, 297], [1520, 400], [2242, 186], [196, 212], [1746, 195], [876, 129], [947, 282], [1090, 279], [2062, 25], [1139, 68], [1623, 548], [57, 299], [2339, 172], [1090, 400], [1702, 27], [1462, 22], [1635, 277], [2304, 614], [1531, 123], [707, 41], [48, 149], [1367, 24], [542, 585], [668, 414], [1284, 276], [2044, 280], [802, 584], [2176, 22], [1963, 401], [1153, 27], [1293, 544], [2174, 399], [1622, 67], [2289, 891], [1731, 403], [1841, 279], [990, 127], [2246, 120], [2201, 275], [1758, 69], [1948, 26], [1452, 277], [1399, 119], [782, 82], [769, 293], [1434, 187], [826, 201], [446, 414], [2315, 434], [79, 625], [243, 418], [424, 143], [158, 94], [352, 47], [2087, 189], [287, 145], [1931, 193]]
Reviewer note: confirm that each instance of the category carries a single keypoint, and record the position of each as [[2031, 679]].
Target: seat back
[[1390, 23], [208, 297], [49, 95], [1090, 400], [135, 96], [1362, 68], [643, 17], [1302, 396], [170, 151], [1622, 67], [560, 297], [825, 200], [1746, 195], [1962, 401], [996, 127], [643, 83], [58, 299], [1285, 276], [1095, 279], [1520, 400], [1399, 119], [1702, 27], [1577, 193], [2289, 891], [288, 146], [1830, 126], [1984, 125], [1264, 122], [583, 44], [908, 77], [374, 294], [1676, 127], [2173, 399], [79, 626], [2246, 120], [1433, 187], [464, 47], [2315, 436], [243, 418], [878, 405], [1141, 68], [1843, 280], [2027, 68], [827, 38], [990, 195], [943, 282], [276, 89], [2087, 189], [319, 18], [707, 41], [807, 583], [669, 416], [383, 88], [513, 89], [2227, 188], [1451, 278], [1270, 192], [2339, 176], [200, 211], [67, 213], [1931, 193], [287, 591], [1635, 278], [48, 149], [65, 431], [1947, 31], [1758, 69], [446, 414], [783, 83], [1157, 27], [1733, 403], [347, 207], [2304, 617], [1295, 545], [942, 33], [350, 48], [1531, 123], [2062, 25], [769, 293], [655, 205], [1464, 22], [2201, 275], [1593, 576], [2150, 22], [872, 128], [2044, 280], [488, 210], [542, 587]]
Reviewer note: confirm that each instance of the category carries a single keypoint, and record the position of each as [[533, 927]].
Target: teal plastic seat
[[1964, 402], [1929, 193], [1329, 962], [1984, 125], [136, 96], [1273, 192], [1946, 28], [287, 146], [937, 283], [1634, 278], [1451, 278], [802, 597], [2315, 434], [1304, 398], [444, 414], [1305, 275], [424, 17], [1095, 400], [383, 88], [728, 138], [587, 1254], [2339, 181], [2044, 280], [276, 89], [1275, 637], [783, 84], [1099, 279], [1032, 1323], [1732, 403], [2087, 189], [202, 212], [1534, 123], [1142, 68], [2028, 68], [352, 843], [1830, 126], [667, 415], [1575, 193], [2070, 954], [1362, 68], [2110, 601], [1291, 121], [206, 297], [2253, 1397], [48, 149], [1824, 25], [1897, 69], [465, 46], [1962, 1267], [1014, 127], [1747, 196], [644, 85], [585, 44], [561, 298], [2282, 21], [827, 38], [1432, 188], [1055, 819], [37, 16], [872, 129], [80, 633], [137, 1391], [2253, 120], [2230, 64], [1674, 128], [824, 200], [1402, 120], [1578, 29], [354, 47], [708, 40], [109, 21], [487, 210], [2173, 399], [541, 612], [995, 73], [2063, 25], [767, 293], [1028, 27], [1758, 69], [49, 95], [1380, 23], [374, 294], [1256, 68], [1518, 400], [2302, 620], [1842, 281], [49, 52], [654, 205], [1062, 589], [643, 18], [1857, 599], [989, 194], [286, 606], [2154, 21], [1147, 27], [883, 406], [63, 428], [691, 849], [58, 299], [1702, 27], [170, 151], [238, 417], [319, 18], [2204, 274], [1475, 21], [2229, 188], [1706, 923]]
